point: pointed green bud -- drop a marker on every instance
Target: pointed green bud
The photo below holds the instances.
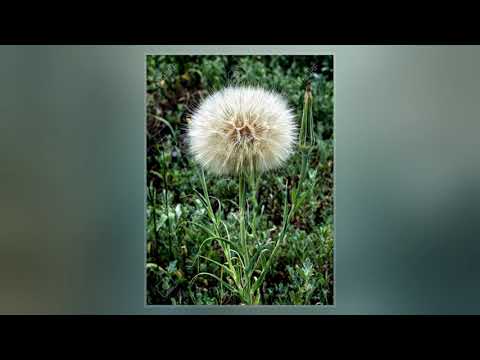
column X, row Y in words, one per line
column 307, row 136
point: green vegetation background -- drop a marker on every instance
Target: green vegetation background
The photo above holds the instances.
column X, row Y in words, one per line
column 303, row 272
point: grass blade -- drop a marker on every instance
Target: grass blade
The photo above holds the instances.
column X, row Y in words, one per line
column 228, row 286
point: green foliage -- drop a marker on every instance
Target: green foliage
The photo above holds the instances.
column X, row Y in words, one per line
column 178, row 251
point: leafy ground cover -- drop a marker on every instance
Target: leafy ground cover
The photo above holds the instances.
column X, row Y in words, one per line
column 303, row 270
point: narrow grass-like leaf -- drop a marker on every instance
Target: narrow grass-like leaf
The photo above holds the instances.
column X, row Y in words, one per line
column 164, row 122
column 228, row 286
column 205, row 228
column 157, row 174
column 216, row 263
column 200, row 248
column 255, row 260
column 226, row 230
column 239, row 257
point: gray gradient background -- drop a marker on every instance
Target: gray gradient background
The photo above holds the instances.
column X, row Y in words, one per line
column 407, row 179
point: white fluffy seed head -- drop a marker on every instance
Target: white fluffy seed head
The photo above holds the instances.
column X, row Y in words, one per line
column 242, row 129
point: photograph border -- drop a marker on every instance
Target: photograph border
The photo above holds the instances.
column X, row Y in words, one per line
column 243, row 309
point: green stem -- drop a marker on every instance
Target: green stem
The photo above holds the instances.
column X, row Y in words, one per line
column 248, row 294
column 241, row 203
column 303, row 170
column 254, row 201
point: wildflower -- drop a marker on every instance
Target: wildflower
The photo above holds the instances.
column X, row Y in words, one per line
column 242, row 129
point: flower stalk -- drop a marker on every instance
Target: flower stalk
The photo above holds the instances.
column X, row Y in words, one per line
column 241, row 204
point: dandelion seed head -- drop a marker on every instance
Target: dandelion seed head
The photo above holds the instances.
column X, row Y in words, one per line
column 242, row 129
